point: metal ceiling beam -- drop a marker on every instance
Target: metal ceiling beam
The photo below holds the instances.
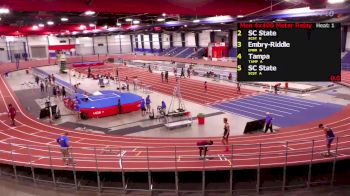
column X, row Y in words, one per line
column 89, row 2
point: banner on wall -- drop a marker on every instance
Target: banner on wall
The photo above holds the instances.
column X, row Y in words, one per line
column 218, row 50
column 68, row 49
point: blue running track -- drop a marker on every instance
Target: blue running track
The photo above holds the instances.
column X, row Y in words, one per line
column 286, row 111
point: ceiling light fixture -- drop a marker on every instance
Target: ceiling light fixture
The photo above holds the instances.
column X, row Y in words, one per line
column 64, row 19
column 89, row 13
column 160, row 19
column 95, row 30
column 85, row 31
column 35, row 27
column 74, row 32
column 240, row 16
column 91, row 25
column 41, row 25
column 196, row 21
column 136, row 22
column 185, row 25
column 164, row 14
column 335, row 1
column 4, row 11
column 50, row 22
column 128, row 19
column 82, row 27
column 119, row 24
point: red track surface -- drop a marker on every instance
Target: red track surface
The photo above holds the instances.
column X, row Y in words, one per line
column 345, row 78
column 27, row 145
column 192, row 90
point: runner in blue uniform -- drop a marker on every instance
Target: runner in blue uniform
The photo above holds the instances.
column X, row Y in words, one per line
column 329, row 137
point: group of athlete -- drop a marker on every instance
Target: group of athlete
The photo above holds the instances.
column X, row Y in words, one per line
column 204, row 144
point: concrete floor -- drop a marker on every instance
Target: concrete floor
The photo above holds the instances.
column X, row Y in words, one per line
column 9, row 187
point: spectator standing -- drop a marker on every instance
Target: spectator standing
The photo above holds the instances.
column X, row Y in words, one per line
column 42, row 87
column 37, row 80
column 89, row 72
column 143, row 107
column 63, row 92
column 119, row 106
column 268, row 122
column 162, row 108
column 167, row 76
column 286, row 87
column 53, row 79
column 182, row 73
column 188, row 72
column 54, row 92
column 238, row 87
column 148, row 104
column 46, row 84
column 230, row 76
column 17, row 57
column 162, row 76
column 205, row 86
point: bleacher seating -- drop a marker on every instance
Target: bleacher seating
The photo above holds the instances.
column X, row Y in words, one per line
column 165, row 51
column 188, row 51
column 200, row 53
column 232, row 52
column 345, row 62
column 345, row 66
column 147, row 50
column 346, row 58
column 176, row 51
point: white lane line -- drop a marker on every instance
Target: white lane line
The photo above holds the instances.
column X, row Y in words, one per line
column 250, row 108
column 289, row 148
column 19, row 149
column 296, row 99
column 284, row 101
column 255, row 105
column 10, row 138
column 275, row 102
column 220, row 105
column 220, row 157
column 79, row 140
column 35, row 133
column 271, row 105
column 135, row 149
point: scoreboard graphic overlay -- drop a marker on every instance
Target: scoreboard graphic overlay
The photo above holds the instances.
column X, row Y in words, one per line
column 288, row 52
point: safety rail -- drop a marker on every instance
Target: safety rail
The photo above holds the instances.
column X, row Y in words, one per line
column 176, row 159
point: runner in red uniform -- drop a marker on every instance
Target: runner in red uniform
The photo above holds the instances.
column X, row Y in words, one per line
column 12, row 113
column 203, row 146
